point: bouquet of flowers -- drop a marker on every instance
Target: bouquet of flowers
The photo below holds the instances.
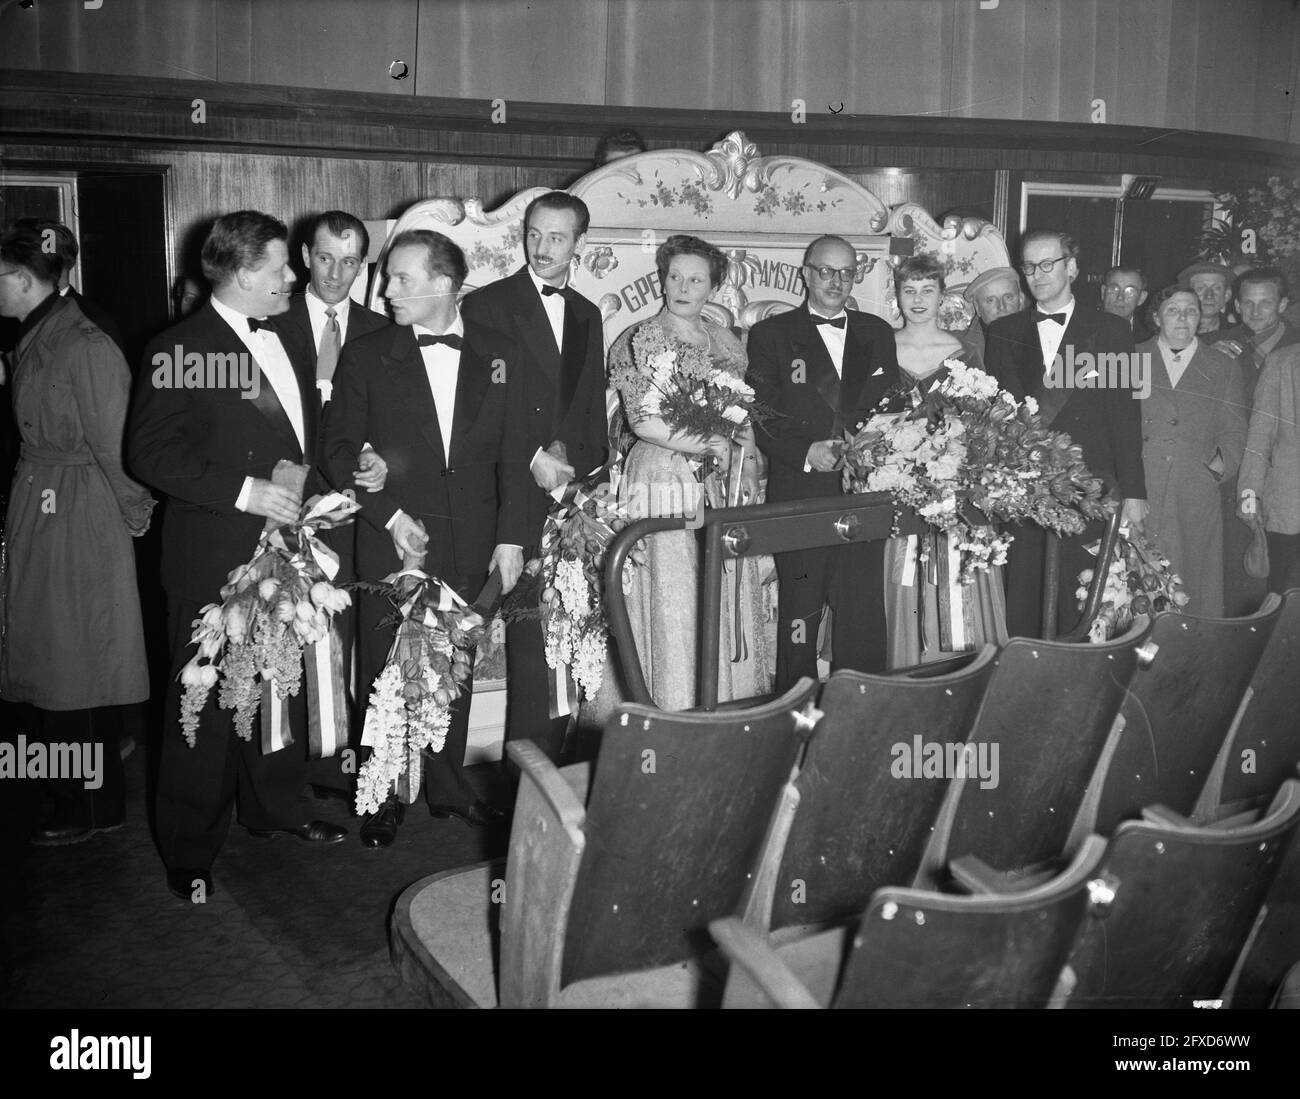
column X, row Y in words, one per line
column 968, row 445
column 681, row 384
column 272, row 609
column 428, row 665
column 1139, row 581
column 567, row 580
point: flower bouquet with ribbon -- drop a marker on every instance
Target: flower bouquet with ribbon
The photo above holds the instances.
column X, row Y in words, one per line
column 565, row 583
column 681, row 384
column 429, row 664
column 970, row 447
column 1140, row 581
column 275, row 617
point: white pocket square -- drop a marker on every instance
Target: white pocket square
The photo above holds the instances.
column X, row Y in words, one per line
column 877, row 372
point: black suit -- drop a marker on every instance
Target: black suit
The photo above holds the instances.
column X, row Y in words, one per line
column 296, row 325
column 793, row 373
column 564, row 400
column 1106, row 422
column 197, row 446
column 468, row 505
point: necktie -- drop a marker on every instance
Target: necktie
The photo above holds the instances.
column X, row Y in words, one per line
column 255, row 325
column 327, row 358
column 1059, row 318
column 834, row 322
column 547, row 291
column 450, row 341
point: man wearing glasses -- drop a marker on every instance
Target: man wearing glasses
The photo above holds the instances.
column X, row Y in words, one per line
column 1123, row 293
column 1099, row 415
column 823, row 368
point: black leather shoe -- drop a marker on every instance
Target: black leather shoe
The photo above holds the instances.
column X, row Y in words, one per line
column 62, row 832
column 379, row 829
column 316, row 831
column 181, row 882
column 478, row 815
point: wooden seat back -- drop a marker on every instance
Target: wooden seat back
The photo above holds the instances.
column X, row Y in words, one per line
column 679, row 811
column 1264, row 747
column 866, row 803
column 1184, row 902
column 1046, row 719
column 922, row 949
column 1180, row 710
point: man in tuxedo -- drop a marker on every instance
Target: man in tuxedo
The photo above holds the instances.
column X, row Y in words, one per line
column 1123, row 293
column 823, row 369
column 212, row 450
column 562, row 362
column 322, row 319
column 994, row 293
column 441, row 398
column 1025, row 353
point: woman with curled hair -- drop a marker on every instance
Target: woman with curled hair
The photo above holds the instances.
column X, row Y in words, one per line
column 671, row 473
column 928, row 612
column 1193, row 436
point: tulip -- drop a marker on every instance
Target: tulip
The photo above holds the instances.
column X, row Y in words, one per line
column 267, row 588
column 442, row 697
column 208, row 648
column 304, row 610
column 208, row 675
column 192, row 675
column 320, row 592
column 285, row 611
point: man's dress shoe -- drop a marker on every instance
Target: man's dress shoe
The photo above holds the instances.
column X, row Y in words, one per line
column 379, row 829
column 478, row 815
column 181, row 882
column 62, row 832
column 316, row 831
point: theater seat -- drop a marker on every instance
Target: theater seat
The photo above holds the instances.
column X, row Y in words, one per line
column 615, row 869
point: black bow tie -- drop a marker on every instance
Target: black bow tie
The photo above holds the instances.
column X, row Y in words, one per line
column 548, row 290
column 834, row 322
column 452, row 341
column 254, row 325
column 1059, row 318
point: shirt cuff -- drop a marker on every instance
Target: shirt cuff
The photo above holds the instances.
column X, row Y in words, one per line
column 531, row 461
column 241, row 501
column 396, row 514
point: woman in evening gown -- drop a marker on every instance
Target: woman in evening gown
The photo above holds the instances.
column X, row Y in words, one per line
column 663, row 475
column 927, row 618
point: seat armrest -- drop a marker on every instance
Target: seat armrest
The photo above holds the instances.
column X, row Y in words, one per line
column 752, row 956
column 975, row 876
column 1162, row 814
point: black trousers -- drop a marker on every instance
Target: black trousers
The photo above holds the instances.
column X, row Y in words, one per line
column 1025, row 573
column 528, row 689
column 98, row 730
column 444, row 781
column 851, row 579
column 198, row 786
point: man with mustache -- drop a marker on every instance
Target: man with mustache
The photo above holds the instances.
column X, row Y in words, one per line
column 562, row 362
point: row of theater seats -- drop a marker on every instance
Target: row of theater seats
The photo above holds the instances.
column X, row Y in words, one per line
column 1048, row 825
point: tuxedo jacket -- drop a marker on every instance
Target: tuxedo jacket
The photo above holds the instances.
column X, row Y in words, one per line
column 296, row 324
column 198, row 445
column 793, row 374
column 1105, row 422
column 469, row 503
column 563, row 394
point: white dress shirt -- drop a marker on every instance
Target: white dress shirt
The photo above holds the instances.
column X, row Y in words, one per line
column 833, row 338
column 1176, row 361
column 316, row 317
column 442, row 368
column 1051, row 334
column 553, row 304
column 269, row 355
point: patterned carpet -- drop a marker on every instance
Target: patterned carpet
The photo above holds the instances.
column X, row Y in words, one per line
column 93, row 925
